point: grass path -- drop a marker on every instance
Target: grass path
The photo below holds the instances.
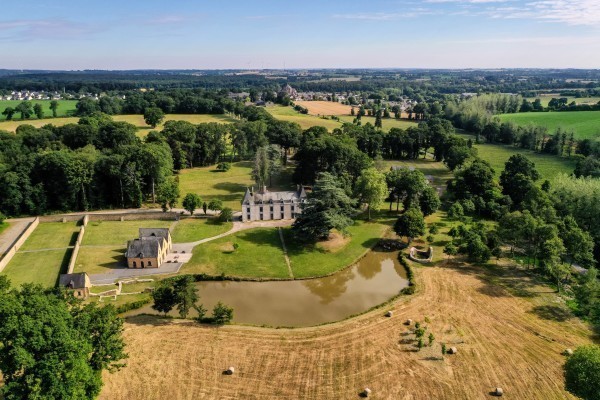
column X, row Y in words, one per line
column 285, row 253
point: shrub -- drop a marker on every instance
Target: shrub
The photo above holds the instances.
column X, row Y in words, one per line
column 222, row 314
column 223, row 166
column 131, row 306
column 225, row 215
column 430, row 239
column 2, row 218
column 582, row 372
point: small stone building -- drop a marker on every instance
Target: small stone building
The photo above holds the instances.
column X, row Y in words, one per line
column 266, row 206
column 79, row 284
column 150, row 249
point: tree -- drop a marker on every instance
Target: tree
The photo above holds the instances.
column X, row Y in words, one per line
column 429, row 202
column 52, row 346
column 456, row 211
column 450, row 250
column 328, row 207
column 54, row 108
column 168, row 193
column 153, row 116
column 25, row 108
column 222, row 314
column 260, row 172
column 9, row 112
column 191, row 201
column 204, row 207
column 582, row 372
column 371, row 189
column 285, row 134
column 410, row 224
column 38, row 110
column 215, row 205
column 164, row 298
column 223, row 166
column 518, row 177
column 2, row 218
column 186, row 294
column 226, row 215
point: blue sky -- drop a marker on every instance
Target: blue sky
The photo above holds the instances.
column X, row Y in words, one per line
column 128, row 34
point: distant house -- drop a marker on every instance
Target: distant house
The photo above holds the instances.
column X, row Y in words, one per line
column 150, row 249
column 79, row 284
column 266, row 206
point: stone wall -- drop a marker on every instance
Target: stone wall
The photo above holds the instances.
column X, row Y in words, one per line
column 18, row 243
column 138, row 216
column 76, row 250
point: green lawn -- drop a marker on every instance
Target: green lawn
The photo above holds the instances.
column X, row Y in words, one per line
column 312, row 261
column 585, row 124
column 99, row 260
column 41, row 267
column 117, row 233
column 193, row 229
column 228, row 186
column 65, row 108
column 52, row 235
column 259, row 255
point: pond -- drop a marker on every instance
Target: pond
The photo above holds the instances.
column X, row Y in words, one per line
column 373, row 280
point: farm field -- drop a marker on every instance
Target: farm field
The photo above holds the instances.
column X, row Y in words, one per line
column 387, row 123
column 545, row 99
column 137, row 120
column 548, row 165
column 526, row 329
column 305, row 121
column 325, row 107
column 41, row 267
column 259, row 255
column 229, row 186
column 65, row 108
column 585, row 124
column 193, row 229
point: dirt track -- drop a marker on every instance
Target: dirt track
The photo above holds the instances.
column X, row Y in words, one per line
column 505, row 337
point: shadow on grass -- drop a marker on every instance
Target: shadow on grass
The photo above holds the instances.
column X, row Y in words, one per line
column 230, row 187
column 552, row 312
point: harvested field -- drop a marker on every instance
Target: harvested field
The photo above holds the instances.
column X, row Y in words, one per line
column 508, row 329
column 325, row 107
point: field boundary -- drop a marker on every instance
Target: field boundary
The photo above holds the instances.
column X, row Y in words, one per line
column 10, row 253
column 76, row 249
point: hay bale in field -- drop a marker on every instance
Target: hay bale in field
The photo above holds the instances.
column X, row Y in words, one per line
column 498, row 392
column 408, row 322
column 389, row 314
column 366, row 392
column 229, row 371
column 452, row 350
column 568, row 352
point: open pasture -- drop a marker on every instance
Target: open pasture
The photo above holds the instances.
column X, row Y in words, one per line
column 65, row 108
column 325, row 107
column 386, row 123
column 546, row 97
column 585, row 124
column 304, row 120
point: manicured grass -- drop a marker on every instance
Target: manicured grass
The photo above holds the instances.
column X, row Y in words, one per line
column 65, row 108
column 52, row 235
column 42, row 267
column 387, row 123
column 312, row 261
column 585, row 124
column 137, row 120
column 259, row 255
column 228, row 186
column 304, row 120
column 4, row 226
column 99, row 260
column 136, row 287
column 193, row 229
column 117, row 233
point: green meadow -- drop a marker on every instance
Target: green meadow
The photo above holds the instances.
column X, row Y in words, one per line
column 585, row 124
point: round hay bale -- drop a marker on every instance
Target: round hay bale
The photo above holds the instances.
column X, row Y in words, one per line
column 452, row 350
column 498, row 392
column 230, row 371
column 367, row 392
column 408, row 322
column 389, row 314
column 568, row 352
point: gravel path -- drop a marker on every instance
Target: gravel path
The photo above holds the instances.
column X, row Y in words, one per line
column 12, row 233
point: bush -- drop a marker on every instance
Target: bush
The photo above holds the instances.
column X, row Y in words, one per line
column 131, row 306
column 223, row 166
column 430, row 239
column 2, row 218
column 222, row 314
column 582, row 372
column 225, row 215
column 433, row 229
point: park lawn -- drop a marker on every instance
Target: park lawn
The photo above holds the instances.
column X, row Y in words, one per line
column 137, row 287
column 65, row 108
column 100, row 259
column 585, row 124
column 42, row 267
column 117, row 233
column 193, row 229
column 259, row 255
column 386, row 123
column 228, row 186
column 313, row 261
column 52, row 235
column 304, row 120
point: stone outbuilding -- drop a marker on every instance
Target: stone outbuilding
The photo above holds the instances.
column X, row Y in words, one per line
column 150, row 249
column 266, row 206
column 79, row 284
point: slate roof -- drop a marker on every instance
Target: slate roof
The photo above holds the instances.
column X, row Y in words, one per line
column 73, row 281
column 154, row 232
column 265, row 196
column 145, row 247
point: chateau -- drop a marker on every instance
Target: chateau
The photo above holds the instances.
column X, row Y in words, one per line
column 266, row 206
column 150, row 249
